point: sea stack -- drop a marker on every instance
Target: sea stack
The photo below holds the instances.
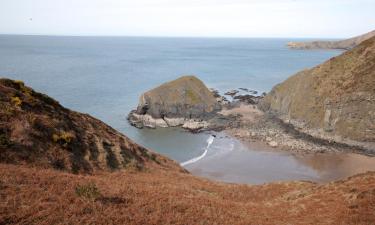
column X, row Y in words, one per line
column 185, row 102
column 334, row 101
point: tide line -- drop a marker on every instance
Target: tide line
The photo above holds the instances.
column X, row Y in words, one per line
column 210, row 140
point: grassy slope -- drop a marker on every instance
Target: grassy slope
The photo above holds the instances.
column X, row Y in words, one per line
column 37, row 196
column 37, row 130
column 187, row 88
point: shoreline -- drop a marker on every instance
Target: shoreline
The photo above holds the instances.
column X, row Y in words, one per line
column 244, row 117
column 256, row 125
column 255, row 162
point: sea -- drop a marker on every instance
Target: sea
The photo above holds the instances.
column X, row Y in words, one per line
column 104, row 77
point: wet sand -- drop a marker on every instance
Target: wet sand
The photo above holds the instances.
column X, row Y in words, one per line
column 231, row 160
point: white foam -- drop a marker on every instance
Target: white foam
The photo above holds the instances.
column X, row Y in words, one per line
column 210, row 140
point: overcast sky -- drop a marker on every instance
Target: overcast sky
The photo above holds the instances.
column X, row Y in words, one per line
column 202, row 18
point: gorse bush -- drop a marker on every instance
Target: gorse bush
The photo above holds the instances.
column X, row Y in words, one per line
column 88, row 191
column 16, row 101
column 63, row 138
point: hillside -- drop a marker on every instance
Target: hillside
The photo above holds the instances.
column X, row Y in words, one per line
column 334, row 100
column 43, row 144
column 36, row 130
column 343, row 44
column 36, row 196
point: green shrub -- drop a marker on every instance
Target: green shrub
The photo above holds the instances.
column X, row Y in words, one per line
column 88, row 191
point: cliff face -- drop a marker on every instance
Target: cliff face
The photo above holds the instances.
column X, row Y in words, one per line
column 344, row 44
column 37, row 130
column 335, row 99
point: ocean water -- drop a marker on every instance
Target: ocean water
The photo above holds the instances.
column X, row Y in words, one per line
column 104, row 76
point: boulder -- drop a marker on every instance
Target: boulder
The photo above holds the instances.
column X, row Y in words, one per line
column 231, row 92
column 248, row 99
column 273, row 144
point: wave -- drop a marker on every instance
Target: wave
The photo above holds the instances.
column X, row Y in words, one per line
column 210, row 140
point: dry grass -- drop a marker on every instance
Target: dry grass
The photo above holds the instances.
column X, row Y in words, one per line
column 44, row 196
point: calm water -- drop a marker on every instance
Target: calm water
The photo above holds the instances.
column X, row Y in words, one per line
column 104, row 76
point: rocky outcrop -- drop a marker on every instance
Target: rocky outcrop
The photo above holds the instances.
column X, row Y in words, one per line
column 185, row 102
column 343, row 44
column 333, row 101
column 36, row 130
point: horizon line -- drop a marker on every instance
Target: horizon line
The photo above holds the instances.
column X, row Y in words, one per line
column 170, row 36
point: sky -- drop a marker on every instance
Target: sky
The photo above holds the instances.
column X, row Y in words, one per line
column 189, row 18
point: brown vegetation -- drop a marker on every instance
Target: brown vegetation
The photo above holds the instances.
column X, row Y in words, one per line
column 37, row 130
column 119, row 182
column 44, row 196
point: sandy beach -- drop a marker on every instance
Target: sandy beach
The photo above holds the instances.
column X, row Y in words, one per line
column 254, row 162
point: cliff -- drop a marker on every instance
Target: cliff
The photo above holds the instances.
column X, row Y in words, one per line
column 343, row 44
column 36, row 130
column 184, row 101
column 334, row 100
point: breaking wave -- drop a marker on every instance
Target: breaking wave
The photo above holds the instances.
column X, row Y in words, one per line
column 210, row 140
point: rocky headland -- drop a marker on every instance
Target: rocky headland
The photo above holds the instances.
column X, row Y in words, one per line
column 342, row 44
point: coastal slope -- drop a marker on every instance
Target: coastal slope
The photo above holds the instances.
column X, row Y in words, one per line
column 36, row 130
column 45, row 196
column 343, row 44
column 43, row 145
column 334, row 100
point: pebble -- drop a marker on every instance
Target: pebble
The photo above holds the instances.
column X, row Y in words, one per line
column 273, row 144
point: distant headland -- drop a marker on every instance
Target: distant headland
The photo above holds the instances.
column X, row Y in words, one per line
column 342, row 44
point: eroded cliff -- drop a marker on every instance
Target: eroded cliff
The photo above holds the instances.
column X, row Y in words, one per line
column 334, row 100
